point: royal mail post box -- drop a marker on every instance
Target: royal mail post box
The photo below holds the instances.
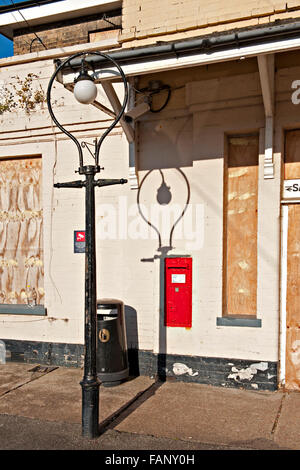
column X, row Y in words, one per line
column 178, row 292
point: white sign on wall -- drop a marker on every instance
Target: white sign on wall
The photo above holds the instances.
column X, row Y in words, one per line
column 291, row 189
column 178, row 278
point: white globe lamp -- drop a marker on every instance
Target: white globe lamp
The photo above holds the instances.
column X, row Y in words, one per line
column 85, row 90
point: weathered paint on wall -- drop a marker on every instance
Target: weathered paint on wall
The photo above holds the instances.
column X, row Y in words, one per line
column 208, row 370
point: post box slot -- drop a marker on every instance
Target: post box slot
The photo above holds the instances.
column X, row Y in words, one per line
column 177, row 267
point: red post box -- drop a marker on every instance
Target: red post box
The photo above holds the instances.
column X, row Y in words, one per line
column 178, row 292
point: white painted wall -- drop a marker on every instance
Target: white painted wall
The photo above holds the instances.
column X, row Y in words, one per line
column 192, row 136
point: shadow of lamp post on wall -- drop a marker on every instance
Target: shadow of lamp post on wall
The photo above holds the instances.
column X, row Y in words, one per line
column 163, row 197
column 85, row 92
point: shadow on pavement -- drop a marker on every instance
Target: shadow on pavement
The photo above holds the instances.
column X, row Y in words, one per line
column 122, row 413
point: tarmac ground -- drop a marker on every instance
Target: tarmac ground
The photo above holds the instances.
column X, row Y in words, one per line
column 40, row 409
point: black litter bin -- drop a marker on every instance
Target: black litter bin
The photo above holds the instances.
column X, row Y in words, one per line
column 112, row 354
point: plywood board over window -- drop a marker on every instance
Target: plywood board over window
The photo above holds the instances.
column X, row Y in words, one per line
column 292, row 155
column 292, row 171
column 21, row 232
column 292, row 379
column 240, row 227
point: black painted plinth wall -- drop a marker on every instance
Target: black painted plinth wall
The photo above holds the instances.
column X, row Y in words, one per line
column 253, row 375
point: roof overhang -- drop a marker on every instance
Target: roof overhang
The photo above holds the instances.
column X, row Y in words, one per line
column 195, row 52
column 173, row 55
column 44, row 13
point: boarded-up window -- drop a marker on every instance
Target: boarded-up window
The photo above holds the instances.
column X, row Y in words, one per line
column 292, row 171
column 21, row 232
column 240, row 226
column 292, row 155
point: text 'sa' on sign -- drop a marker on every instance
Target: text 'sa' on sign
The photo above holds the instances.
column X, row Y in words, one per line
column 291, row 189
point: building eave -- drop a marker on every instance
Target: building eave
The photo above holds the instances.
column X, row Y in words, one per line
column 172, row 55
column 51, row 11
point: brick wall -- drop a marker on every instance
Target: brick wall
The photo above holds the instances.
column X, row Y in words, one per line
column 146, row 21
column 65, row 33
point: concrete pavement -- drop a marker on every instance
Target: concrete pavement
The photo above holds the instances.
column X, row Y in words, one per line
column 141, row 413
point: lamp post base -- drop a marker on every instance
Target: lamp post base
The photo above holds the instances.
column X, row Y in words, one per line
column 90, row 408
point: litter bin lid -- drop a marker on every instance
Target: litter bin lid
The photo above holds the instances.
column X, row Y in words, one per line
column 108, row 304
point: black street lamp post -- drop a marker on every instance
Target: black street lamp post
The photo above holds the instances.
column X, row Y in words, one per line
column 86, row 94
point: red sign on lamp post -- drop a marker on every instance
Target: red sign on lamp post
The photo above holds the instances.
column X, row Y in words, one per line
column 80, row 236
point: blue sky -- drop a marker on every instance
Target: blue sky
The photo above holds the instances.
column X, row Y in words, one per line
column 6, row 46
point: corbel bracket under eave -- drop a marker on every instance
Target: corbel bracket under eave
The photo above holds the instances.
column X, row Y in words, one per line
column 133, row 173
column 127, row 128
column 116, row 105
column 267, row 81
